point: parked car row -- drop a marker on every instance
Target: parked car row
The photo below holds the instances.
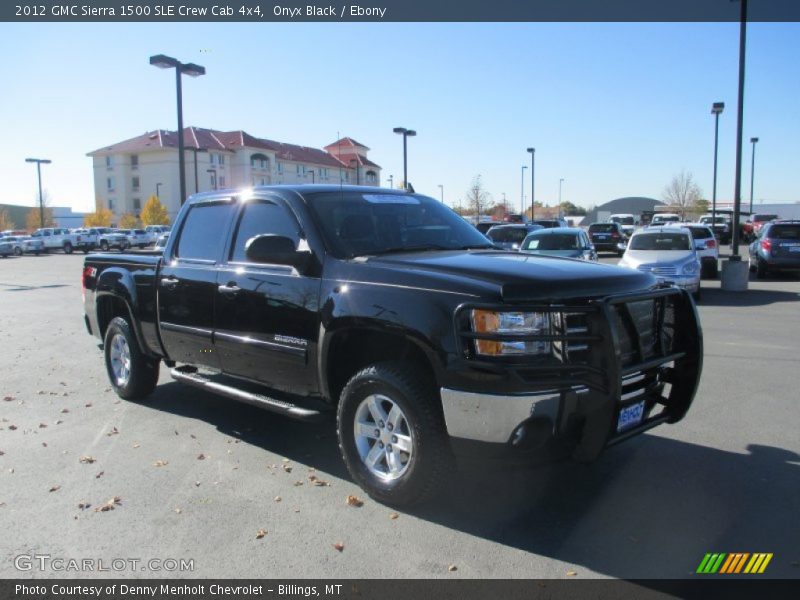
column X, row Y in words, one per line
column 85, row 239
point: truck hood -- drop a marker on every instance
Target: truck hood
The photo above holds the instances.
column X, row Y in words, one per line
column 517, row 277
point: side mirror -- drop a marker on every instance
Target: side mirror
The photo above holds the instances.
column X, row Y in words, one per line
column 276, row 250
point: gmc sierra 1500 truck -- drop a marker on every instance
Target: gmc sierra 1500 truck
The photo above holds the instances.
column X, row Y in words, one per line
column 391, row 312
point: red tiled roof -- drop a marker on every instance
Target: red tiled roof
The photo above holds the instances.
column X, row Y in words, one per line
column 220, row 141
column 362, row 160
column 346, row 141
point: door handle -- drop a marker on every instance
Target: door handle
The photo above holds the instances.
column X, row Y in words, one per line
column 170, row 282
column 229, row 289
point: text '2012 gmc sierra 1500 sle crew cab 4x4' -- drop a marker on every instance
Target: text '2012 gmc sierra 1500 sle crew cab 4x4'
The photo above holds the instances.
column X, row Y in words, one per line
column 392, row 312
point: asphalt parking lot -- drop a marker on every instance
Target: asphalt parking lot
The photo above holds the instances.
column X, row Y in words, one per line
column 196, row 476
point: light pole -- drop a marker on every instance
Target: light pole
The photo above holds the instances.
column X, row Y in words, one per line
column 737, row 194
column 406, row 133
column 213, row 177
column 441, row 192
column 158, row 185
column 354, row 164
column 391, row 181
column 192, row 70
column 560, row 181
column 754, row 141
column 39, row 162
column 522, row 191
column 533, row 167
column 195, row 150
column 716, row 110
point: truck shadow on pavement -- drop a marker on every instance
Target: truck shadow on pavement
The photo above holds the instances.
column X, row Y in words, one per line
column 649, row 508
column 752, row 297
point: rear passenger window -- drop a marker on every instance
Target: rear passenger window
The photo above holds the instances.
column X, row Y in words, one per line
column 203, row 234
column 260, row 217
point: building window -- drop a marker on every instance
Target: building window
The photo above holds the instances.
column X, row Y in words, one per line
column 371, row 177
column 137, row 204
column 222, row 181
column 110, row 204
column 134, row 161
column 109, row 162
column 212, row 158
column 135, row 184
column 298, row 169
column 221, row 159
column 280, row 167
column 110, row 184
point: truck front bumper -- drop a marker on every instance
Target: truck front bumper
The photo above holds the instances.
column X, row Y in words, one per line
column 636, row 364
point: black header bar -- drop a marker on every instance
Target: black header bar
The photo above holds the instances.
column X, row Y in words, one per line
column 222, row 11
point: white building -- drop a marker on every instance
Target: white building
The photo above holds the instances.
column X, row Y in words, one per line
column 127, row 173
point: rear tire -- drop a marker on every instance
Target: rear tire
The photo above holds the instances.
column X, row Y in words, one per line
column 18, row 251
column 386, row 399
column 67, row 248
column 132, row 374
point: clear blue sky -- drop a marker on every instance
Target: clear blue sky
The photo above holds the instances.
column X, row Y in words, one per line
column 614, row 109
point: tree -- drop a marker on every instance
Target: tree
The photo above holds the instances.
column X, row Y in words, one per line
column 5, row 221
column 682, row 192
column 154, row 213
column 128, row 221
column 478, row 200
column 33, row 219
column 568, row 208
column 101, row 217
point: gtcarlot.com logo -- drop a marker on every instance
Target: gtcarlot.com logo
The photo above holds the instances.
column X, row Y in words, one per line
column 723, row 563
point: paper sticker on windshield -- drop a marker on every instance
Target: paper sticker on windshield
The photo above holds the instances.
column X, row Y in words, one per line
column 390, row 199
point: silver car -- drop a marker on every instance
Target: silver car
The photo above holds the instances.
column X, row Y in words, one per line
column 668, row 253
column 25, row 245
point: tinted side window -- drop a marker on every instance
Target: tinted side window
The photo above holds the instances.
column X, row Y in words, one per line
column 203, row 233
column 259, row 217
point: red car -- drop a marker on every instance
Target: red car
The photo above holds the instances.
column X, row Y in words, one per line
column 753, row 226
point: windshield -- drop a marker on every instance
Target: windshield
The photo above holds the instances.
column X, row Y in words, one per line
column 558, row 241
column 622, row 220
column 508, row 235
column 785, row 232
column 602, row 227
column 660, row 241
column 665, row 219
column 358, row 224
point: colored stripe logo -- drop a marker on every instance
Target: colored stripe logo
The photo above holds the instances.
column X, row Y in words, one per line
column 734, row 563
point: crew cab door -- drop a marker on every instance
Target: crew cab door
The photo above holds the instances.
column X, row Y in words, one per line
column 187, row 283
column 267, row 317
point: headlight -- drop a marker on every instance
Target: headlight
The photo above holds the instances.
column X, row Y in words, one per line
column 690, row 268
column 533, row 323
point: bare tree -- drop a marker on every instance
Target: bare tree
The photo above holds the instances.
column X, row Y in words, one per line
column 478, row 200
column 682, row 192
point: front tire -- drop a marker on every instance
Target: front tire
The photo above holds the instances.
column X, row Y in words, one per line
column 18, row 251
column 132, row 374
column 67, row 248
column 392, row 435
column 104, row 246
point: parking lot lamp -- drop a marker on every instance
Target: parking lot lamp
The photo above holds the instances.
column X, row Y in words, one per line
column 441, row 192
column 406, row 133
column 192, row 70
column 716, row 110
column 754, row 141
column 39, row 162
column 533, row 168
column 522, row 191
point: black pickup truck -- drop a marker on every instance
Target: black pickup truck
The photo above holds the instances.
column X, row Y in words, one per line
column 391, row 312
